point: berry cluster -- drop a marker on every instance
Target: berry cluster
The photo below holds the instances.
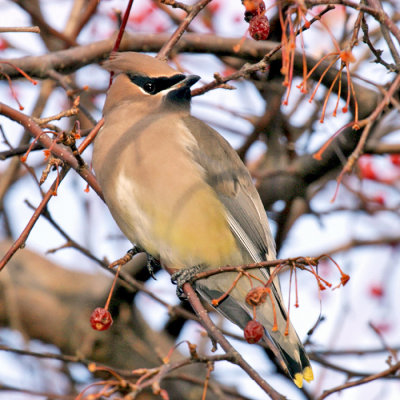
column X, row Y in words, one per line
column 255, row 16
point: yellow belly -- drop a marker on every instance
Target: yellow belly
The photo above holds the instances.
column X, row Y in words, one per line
column 196, row 232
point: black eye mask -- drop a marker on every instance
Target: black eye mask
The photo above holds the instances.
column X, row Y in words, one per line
column 155, row 85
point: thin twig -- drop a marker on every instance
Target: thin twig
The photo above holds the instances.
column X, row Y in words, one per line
column 70, row 242
column 74, row 110
column 43, row 354
column 375, row 52
column 386, row 33
column 122, row 27
column 367, row 122
column 20, row 242
column 216, row 335
column 381, row 17
column 173, row 40
column 20, row 150
column 248, row 69
column 386, row 372
column 33, row 29
column 177, row 4
column 58, row 151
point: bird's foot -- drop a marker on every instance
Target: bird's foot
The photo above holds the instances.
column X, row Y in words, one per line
column 152, row 262
column 185, row 275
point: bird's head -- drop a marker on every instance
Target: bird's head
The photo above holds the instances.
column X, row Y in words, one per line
column 146, row 81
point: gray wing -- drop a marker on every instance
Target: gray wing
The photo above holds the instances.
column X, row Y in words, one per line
column 234, row 187
column 248, row 221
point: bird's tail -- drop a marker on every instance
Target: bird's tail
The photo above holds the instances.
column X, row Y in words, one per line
column 285, row 344
column 280, row 335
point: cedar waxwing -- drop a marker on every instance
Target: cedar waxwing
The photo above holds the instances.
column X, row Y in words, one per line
column 177, row 189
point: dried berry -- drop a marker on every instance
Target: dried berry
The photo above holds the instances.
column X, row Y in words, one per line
column 256, row 296
column 101, row 319
column 254, row 11
column 253, row 332
column 259, row 27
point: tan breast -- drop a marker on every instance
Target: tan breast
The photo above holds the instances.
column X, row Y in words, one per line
column 157, row 193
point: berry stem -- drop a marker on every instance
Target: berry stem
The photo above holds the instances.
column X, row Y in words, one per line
column 112, row 288
column 215, row 302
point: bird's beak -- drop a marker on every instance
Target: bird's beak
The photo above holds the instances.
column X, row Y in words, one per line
column 180, row 92
column 188, row 82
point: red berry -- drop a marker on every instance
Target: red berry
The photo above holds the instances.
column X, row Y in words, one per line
column 253, row 332
column 376, row 290
column 367, row 170
column 395, row 159
column 3, row 44
column 101, row 319
column 214, row 7
column 259, row 27
column 379, row 199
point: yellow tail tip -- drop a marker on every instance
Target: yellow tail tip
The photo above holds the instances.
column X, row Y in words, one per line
column 308, row 374
column 298, row 380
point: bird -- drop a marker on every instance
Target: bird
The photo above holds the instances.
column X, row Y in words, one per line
column 179, row 191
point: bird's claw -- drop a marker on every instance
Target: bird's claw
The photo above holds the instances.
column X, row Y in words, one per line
column 152, row 262
column 183, row 276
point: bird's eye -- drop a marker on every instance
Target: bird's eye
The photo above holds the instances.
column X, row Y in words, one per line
column 149, row 87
